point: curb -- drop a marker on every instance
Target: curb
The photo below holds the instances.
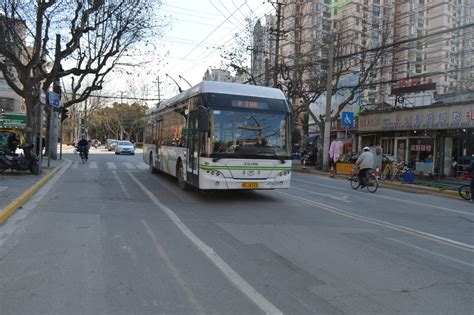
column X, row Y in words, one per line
column 6, row 212
column 450, row 193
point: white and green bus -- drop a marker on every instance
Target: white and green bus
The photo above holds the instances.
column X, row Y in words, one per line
column 220, row 135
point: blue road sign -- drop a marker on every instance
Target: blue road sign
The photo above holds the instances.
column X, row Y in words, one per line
column 54, row 99
column 347, row 119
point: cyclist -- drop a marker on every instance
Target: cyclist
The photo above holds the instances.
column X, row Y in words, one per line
column 365, row 163
column 83, row 144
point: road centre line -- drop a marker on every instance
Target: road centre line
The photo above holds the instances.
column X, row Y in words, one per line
column 121, row 184
column 161, row 251
column 396, row 227
column 433, row 253
column 397, row 199
column 265, row 305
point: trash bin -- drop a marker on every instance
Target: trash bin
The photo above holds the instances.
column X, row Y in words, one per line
column 408, row 177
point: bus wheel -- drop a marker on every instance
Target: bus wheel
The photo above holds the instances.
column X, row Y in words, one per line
column 180, row 175
column 152, row 168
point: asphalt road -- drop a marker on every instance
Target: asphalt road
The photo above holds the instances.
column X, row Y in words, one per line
column 111, row 238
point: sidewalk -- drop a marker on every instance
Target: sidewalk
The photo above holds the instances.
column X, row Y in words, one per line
column 445, row 186
column 17, row 187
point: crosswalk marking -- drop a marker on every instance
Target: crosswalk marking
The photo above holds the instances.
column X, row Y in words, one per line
column 75, row 165
column 111, row 165
column 142, row 166
column 93, row 165
column 129, row 165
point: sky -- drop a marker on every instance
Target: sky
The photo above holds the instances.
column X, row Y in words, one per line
column 191, row 43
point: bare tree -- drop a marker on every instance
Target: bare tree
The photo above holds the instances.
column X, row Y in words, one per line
column 304, row 65
column 91, row 36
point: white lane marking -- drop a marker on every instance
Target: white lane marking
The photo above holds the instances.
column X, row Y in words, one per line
column 400, row 228
column 75, row 165
column 17, row 218
column 265, row 305
column 433, row 253
column 175, row 272
column 318, row 184
column 141, row 166
column 2, row 188
column 395, row 199
column 342, row 198
column 121, row 184
column 92, row 164
column 111, row 165
column 129, row 165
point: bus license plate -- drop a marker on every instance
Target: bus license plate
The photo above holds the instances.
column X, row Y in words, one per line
column 248, row 185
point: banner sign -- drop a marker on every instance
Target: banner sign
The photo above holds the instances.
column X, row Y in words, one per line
column 443, row 117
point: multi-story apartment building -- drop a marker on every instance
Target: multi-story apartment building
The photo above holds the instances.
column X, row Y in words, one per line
column 354, row 26
column 445, row 59
column 263, row 50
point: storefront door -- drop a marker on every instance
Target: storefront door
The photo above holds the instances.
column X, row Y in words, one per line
column 401, row 149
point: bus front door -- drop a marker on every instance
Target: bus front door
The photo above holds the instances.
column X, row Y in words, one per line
column 192, row 156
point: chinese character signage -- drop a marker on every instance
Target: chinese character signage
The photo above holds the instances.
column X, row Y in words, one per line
column 443, row 117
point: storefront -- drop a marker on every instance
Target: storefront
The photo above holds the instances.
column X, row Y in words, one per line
column 429, row 139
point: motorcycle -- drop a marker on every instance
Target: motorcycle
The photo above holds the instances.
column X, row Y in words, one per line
column 27, row 162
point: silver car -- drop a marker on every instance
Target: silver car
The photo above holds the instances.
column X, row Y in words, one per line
column 124, row 147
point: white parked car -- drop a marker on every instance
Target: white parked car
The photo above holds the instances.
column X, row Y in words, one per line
column 124, row 147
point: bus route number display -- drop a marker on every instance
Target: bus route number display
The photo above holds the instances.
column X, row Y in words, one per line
column 249, row 104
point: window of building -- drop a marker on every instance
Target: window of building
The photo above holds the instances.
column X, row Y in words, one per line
column 376, row 11
column 7, row 104
column 317, row 7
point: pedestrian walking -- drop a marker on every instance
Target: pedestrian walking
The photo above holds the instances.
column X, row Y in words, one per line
column 37, row 146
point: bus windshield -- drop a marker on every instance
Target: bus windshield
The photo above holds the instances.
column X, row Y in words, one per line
column 246, row 133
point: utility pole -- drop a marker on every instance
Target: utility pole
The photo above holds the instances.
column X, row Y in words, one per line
column 327, row 122
column 267, row 73
column 277, row 44
column 158, row 85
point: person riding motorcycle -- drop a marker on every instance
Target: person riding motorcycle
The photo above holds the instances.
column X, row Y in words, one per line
column 366, row 163
column 83, row 144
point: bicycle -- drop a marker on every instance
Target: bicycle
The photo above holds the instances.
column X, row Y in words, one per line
column 465, row 192
column 82, row 153
column 371, row 182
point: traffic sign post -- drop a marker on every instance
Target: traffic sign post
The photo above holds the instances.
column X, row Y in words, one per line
column 347, row 120
column 54, row 99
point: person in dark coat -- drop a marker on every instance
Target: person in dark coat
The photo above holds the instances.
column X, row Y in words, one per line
column 12, row 142
column 37, row 145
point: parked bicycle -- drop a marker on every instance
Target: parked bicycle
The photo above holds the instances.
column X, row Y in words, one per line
column 465, row 192
column 370, row 181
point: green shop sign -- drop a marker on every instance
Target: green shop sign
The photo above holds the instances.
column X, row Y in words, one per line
column 13, row 120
